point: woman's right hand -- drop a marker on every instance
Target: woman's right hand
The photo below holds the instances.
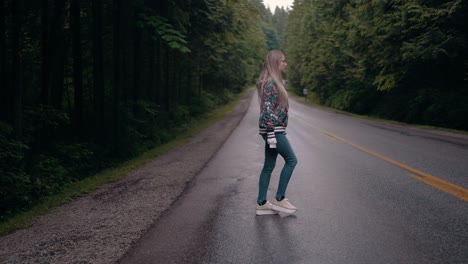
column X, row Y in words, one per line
column 271, row 142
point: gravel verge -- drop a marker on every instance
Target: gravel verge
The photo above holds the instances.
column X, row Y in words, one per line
column 102, row 226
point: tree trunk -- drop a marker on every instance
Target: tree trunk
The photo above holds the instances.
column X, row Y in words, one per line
column 188, row 98
column 159, row 73
column 125, row 48
column 98, row 71
column 77, row 64
column 3, row 65
column 175, row 78
column 17, row 84
column 45, row 92
column 200, row 78
column 57, row 41
column 117, row 71
column 137, row 65
column 152, row 90
column 167, row 98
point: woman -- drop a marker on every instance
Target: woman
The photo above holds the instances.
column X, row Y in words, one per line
column 273, row 122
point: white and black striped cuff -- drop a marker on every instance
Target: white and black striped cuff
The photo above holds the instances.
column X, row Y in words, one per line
column 278, row 129
column 271, row 134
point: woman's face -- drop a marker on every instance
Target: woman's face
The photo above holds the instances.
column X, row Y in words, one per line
column 283, row 64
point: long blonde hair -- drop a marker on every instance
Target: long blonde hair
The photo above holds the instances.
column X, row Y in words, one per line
column 271, row 71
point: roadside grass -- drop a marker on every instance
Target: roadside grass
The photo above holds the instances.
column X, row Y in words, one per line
column 313, row 100
column 91, row 184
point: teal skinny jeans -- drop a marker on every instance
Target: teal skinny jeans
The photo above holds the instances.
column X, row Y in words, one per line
column 284, row 149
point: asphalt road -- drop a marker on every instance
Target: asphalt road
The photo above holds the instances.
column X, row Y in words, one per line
column 367, row 192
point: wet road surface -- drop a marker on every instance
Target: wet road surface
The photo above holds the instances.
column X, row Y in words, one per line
column 367, row 192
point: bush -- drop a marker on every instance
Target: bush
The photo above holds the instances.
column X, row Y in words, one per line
column 353, row 100
column 48, row 175
column 14, row 183
column 50, row 158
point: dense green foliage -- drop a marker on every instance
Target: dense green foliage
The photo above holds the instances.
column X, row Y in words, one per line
column 405, row 60
column 88, row 84
column 279, row 20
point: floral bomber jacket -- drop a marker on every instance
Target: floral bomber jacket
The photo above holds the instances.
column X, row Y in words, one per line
column 273, row 118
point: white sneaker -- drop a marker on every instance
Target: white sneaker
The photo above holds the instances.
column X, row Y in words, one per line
column 284, row 206
column 265, row 209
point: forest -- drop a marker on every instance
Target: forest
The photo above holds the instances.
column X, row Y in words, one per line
column 88, row 84
column 404, row 60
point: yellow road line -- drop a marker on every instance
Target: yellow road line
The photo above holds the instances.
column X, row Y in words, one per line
column 334, row 137
column 438, row 183
column 448, row 187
